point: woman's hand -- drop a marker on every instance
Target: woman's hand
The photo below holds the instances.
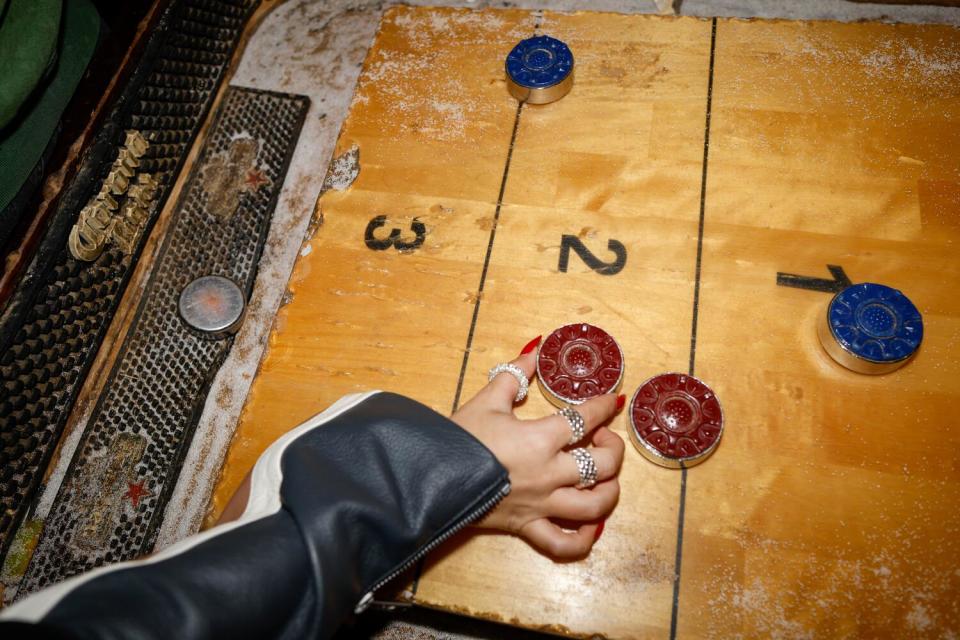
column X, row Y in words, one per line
column 543, row 475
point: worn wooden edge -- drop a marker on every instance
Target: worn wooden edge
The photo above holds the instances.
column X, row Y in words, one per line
column 213, row 510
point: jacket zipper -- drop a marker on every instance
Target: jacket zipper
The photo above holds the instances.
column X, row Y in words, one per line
column 473, row 516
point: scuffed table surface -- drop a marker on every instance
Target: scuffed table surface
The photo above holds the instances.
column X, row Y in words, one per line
column 829, row 508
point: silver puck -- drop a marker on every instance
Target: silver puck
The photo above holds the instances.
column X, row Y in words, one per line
column 212, row 304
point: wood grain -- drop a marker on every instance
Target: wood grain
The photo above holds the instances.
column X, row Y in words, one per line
column 641, row 88
column 830, row 507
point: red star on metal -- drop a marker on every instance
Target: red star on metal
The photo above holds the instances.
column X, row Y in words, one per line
column 137, row 491
column 255, row 179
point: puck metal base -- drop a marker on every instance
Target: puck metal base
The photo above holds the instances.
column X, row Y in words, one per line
column 871, row 328
column 675, row 420
column 539, row 70
column 578, row 362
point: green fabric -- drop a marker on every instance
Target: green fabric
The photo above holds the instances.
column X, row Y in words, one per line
column 29, row 30
column 23, row 141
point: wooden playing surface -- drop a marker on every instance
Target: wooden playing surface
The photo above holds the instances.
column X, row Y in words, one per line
column 719, row 153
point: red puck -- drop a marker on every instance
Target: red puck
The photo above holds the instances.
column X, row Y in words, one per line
column 676, row 420
column 578, row 362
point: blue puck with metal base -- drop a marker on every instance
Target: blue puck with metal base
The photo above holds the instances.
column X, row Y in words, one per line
column 540, row 70
column 871, row 328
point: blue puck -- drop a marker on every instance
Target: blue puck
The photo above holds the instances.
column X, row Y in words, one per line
column 540, row 70
column 872, row 328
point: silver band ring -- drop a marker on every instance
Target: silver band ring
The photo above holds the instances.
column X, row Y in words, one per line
column 578, row 426
column 586, row 466
column 516, row 372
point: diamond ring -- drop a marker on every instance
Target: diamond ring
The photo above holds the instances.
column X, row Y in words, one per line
column 516, row 372
column 586, row 466
column 576, row 422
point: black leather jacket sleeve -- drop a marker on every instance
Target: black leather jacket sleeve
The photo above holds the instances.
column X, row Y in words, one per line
column 338, row 507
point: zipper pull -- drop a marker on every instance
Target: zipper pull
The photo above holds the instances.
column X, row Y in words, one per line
column 368, row 601
column 364, row 603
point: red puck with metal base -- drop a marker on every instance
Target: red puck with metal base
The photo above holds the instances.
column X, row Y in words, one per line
column 675, row 420
column 578, row 362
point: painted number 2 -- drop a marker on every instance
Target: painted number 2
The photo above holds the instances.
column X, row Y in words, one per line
column 394, row 239
column 592, row 261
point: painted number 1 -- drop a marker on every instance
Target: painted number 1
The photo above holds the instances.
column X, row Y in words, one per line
column 592, row 261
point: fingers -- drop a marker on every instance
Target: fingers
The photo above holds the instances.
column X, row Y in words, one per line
column 503, row 388
column 584, row 505
column 605, row 438
column 550, row 538
column 594, row 411
column 607, row 455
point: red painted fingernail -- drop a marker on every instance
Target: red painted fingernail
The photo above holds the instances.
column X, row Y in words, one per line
column 531, row 346
column 599, row 532
column 621, row 399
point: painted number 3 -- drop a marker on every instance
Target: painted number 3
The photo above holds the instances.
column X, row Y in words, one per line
column 395, row 239
column 592, row 261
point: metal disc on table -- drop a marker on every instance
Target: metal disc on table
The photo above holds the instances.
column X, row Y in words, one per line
column 577, row 362
column 871, row 328
column 540, row 70
column 675, row 420
column 213, row 305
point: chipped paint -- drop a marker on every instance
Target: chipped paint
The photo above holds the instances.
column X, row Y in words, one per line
column 343, row 171
column 229, row 174
column 316, row 221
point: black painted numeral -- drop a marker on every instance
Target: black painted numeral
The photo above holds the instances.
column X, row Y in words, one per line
column 395, row 239
column 838, row 283
column 592, row 261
